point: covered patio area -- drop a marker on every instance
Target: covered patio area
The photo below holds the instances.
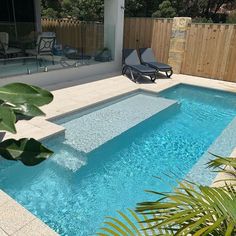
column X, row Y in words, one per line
column 30, row 44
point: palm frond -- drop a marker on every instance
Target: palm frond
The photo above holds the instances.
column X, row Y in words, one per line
column 222, row 161
column 202, row 211
column 131, row 224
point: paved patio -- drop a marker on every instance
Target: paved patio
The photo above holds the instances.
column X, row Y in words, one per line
column 14, row 219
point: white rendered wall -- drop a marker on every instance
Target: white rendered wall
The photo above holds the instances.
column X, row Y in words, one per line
column 114, row 15
column 113, row 27
column 37, row 10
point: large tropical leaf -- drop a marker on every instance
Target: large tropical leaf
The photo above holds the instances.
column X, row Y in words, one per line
column 7, row 119
column 26, row 110
column 22, row 93
column 29, row 151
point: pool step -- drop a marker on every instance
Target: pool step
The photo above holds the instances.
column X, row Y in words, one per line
column 69, row 157
column 100, row 126
column 223, row 145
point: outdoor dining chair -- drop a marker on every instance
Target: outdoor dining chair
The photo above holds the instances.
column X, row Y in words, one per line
column 5, row 50
column 44, row 46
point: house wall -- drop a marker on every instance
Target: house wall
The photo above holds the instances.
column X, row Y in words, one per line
column 113, row 27
column 37, row 10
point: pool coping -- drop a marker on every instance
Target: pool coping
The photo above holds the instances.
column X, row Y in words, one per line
column 42, row 128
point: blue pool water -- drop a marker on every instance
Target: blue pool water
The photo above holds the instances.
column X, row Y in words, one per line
column 74, row 201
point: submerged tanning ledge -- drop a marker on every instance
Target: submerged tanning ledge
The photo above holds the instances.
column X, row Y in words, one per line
column 102, row 125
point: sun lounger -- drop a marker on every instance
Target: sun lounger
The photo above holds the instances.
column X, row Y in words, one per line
column 147, row 58
column 132, row 64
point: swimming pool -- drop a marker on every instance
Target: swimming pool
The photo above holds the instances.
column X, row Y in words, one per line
column 86, row 181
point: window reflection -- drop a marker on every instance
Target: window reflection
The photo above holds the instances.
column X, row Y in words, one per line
column 30, row 44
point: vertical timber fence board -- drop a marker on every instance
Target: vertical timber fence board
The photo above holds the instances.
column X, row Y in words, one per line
column 148, row 32
column 161, row 38
column 230, row 71
column 210, row 51
column 138, row 32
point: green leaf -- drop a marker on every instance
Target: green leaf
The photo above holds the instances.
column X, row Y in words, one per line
column 7, row 119
column 28, row 110
column 142, row 226
column 222, row 161
column 120, row 224
column 22, row 93
column 125, row 225
column 29, row 151
column 230, row 229
column 110, row 231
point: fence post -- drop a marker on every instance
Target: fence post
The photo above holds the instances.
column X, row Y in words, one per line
column 177, row 42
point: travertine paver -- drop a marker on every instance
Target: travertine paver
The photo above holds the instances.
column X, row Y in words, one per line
column 35, row 228
column 3, row 233
column 16, row 220
column 3, row 198
column 38, row 128
column 13, row 217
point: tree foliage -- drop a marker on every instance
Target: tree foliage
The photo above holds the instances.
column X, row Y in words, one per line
column 165, row 10
column 232, row 18
column 93, row 9
column 78, row 9
column 207, row 9
column 141, row 7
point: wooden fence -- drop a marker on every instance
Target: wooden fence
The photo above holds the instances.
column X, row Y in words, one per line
column 77, row 34
column 161, row 38
column 149, row 32
column 211, row 51
column 138, row 32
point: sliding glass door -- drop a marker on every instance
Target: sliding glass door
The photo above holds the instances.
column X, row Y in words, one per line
column 17, row 18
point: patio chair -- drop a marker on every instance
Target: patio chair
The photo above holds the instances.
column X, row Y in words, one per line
column 147, row 58
column 44, row 46
column 131, row 63
column 5, row 50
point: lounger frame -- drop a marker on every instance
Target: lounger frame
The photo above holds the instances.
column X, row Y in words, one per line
column 168, row 73
column 132, row 70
